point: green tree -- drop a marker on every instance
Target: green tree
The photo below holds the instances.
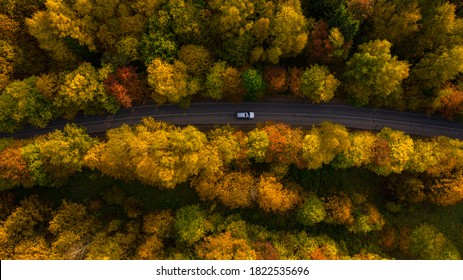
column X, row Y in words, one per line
column 196, row 58
column 427, row 243
column 395, row 20
column 318, row 84
column 345, row 21
column 191, row 224
column 21, row 103
column 438, row 24
column 53, row 158
column 366, row 218
column 158, row 41
column 253, row 83
column 83, row 90
column 373, row 75
column 224, row 82
column 435, row 69
column 312, row 210
column 410, row 189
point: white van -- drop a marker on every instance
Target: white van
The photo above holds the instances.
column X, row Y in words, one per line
column 245, row 115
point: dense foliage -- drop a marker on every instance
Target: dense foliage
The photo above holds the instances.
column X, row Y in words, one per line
column 156, row 191
column 92, row 56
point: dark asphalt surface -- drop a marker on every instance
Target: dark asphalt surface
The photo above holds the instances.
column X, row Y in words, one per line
column 294, row 114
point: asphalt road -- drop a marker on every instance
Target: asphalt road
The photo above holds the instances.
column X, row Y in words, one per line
column 294, row 114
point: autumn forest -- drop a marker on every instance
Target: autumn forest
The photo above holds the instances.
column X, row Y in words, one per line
column 274, row 191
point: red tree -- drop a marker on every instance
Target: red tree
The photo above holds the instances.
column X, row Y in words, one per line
column 449, row 102
column 319, row 47
column 125, row 86
column 276, row 79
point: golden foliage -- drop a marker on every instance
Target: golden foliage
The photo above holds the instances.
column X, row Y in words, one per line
column 339, row 209
column 158, row 223
column 273, row 197
column 225, row 247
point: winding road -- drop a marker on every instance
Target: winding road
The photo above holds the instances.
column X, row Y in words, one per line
column 290, row 113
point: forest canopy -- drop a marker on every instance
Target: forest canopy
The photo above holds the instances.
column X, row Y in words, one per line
column 181, row 193
column 157, row 191
column 402, row 55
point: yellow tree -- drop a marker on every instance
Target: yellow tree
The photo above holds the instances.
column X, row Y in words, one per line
column 75, row 30
column 70, row 226
column 105, row 156
column 157, row 154
column 157, row 226
column 360, row 151
column 225, row 247
column 322, row 144
column 13, row 167
column 227, row 143
column 63, row 150
column 41, row 27
column 272, row 196
column 400, row 148
column 170, row 82
column 289, row 32
column 7, row 58
column 236, row 190
column 224, row 82
column 426, row 155
column 114, row 242
column 258, row 144
column 447, row 191
column 22, row 225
